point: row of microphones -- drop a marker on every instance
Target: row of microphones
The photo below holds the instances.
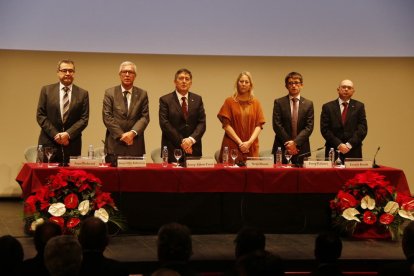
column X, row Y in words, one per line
column 310, row 152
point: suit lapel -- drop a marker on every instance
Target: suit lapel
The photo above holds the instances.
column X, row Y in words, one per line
column 177, row 104
column 119, row 98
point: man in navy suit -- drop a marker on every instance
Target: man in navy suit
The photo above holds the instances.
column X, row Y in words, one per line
column 182, row 118
column 125, row 114
column 62, row 114
column 343, row 123
column 293, row 130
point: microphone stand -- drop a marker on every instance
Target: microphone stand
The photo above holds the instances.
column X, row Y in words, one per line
column 306, row 153
column 374, row 164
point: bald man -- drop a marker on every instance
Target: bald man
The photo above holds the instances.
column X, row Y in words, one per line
column 343, row 123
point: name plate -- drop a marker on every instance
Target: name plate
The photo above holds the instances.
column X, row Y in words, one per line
column 200, row 163
column 358, row 164
column 259, row 163
column 83, row 162
column 317, row 164
column 131, row 163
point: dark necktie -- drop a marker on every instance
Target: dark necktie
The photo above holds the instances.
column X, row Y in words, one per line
column 126, row 100
column 344, row 112
column 294, row 117
column 65, row 104
column 184, row 107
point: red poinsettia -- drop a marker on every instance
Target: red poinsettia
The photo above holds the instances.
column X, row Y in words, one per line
column 368, row 199
column 69, row 197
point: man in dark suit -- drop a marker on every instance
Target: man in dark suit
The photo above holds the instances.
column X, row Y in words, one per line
column 343, row 123
column 293, row 120
column 126, row 115
column 62, row 114
column 182, row 118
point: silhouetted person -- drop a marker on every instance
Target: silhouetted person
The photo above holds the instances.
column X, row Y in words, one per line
column 175, row 248
column 11, row 256
column 249, row 239
column 43, row 233
column 260, row 263
column 93, row 237
column 328, row 249
column 63, row 256
column 405, row 267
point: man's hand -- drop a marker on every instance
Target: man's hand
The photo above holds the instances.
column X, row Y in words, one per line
column 187, row 145
column 128, row 138
column 343, row 148
column 291, row 147
column 62, row 138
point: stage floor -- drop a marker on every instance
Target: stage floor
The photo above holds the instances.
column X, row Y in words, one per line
column 216, row 252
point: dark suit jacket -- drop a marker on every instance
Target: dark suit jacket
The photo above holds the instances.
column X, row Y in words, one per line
column 118, row 121
column 174, row 127
column 354, row 131
column 283, row 128
column 49, row 119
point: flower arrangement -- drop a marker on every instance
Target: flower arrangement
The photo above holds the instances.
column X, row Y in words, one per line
column 69, row 197
column 369, row 200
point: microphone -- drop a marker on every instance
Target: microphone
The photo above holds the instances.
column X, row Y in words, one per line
column 374, row 164
column 309, row 152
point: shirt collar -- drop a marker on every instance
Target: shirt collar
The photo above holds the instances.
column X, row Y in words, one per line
column 61, row 87
column 298, row 97
column 180, row 95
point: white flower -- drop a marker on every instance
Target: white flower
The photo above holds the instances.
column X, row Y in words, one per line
column 368, row 202
column 350, row 214
column 102, row 214
column 83, row 207
column 406, row 214
column 36, row 223
column 57, row 209
column 391, row 207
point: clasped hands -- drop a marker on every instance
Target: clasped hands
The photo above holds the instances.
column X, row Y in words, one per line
column 128, row 138
column 290, row 146
column 62, row 138
column 245, row 146
column 187, row 145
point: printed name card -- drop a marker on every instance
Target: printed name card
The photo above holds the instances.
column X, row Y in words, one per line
column 200, row 163
column 358, row 164
column 261, row 162
column 131, row 162
column 84, row 162
column 317, row 164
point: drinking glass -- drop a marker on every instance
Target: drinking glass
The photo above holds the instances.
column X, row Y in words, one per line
column 288, row 157
column 49, row 153
column 177, row 154
column 234, row 153
column 338, row 162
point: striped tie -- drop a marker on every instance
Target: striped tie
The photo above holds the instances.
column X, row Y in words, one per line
column 65, row 104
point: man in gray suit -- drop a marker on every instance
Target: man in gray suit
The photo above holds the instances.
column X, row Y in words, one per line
column 343, row 123
column 293, row 120
column 182, row 118
column 125, row 114
column 62, row 114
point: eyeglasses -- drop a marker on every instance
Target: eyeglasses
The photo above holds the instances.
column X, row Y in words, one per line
column 346, row 87
column 67, row 71
column 125, row 72
column 292, row 83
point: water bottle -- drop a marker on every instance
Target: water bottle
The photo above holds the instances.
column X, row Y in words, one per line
column 91, row 152
column 164, row 156
column 40, row 155
column 331, row 156
column 225, row 157
column 279, row 157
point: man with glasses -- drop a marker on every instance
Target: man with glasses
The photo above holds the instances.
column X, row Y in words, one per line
column 126, row 115
column 182, row 118
column 293, row 120
column 343, row 123
column 62, row 114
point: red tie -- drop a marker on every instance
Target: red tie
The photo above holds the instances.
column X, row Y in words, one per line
column 345, row 104
column 184, row 107
column 294, row 117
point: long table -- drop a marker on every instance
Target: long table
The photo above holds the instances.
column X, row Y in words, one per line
column 210, row 200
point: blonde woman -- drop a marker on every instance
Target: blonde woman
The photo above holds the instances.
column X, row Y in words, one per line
column 242, row 119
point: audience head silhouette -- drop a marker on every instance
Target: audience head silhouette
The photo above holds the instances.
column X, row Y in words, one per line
column 408, row 241
column 328, row 247
column 260, row 263
column 174, row 243
column 43, row 233
column 11, row 255
column 93, row 234
column 63, row 256
column 249, row 239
